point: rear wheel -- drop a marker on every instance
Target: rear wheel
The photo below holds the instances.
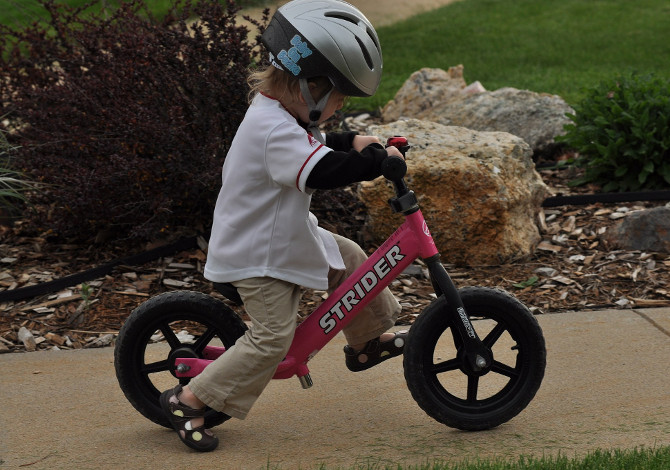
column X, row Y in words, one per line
column 170, row 325
column 445, row 385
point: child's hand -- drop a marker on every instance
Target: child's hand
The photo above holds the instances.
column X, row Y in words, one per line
column 394, row 151
column 362, row 141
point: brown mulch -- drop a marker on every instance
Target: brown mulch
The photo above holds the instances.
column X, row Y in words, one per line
column 572, row 269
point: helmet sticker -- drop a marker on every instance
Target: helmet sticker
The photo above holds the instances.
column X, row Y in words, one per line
column 290, row 58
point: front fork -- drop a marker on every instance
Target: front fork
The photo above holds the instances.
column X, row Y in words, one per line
column 477, row 355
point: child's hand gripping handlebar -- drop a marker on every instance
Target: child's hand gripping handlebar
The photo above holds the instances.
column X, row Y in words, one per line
column 394, row 168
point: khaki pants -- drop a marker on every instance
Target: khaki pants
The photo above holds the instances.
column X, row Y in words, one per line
column 234, row 381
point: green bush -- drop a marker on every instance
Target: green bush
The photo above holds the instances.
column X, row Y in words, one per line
column 127, row 118
column 621, row 130
column 13, row 185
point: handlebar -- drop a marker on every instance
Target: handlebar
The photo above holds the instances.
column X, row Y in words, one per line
column 394, row 169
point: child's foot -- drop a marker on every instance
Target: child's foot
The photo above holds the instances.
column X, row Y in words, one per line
column 375, row 351
column 188, row 422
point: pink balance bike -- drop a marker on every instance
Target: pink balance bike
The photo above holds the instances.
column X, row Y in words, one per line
column 474, row 358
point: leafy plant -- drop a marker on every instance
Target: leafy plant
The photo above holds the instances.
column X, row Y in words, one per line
column 622, row 132
column 13, row 184
column 531, row 281
column 128, row 118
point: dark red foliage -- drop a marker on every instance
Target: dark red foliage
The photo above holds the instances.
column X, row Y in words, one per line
column 125, row 118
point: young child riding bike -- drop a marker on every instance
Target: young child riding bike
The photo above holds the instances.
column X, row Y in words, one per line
column 264, row 240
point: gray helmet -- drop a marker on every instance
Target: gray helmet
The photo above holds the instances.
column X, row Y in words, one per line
column 332, row 38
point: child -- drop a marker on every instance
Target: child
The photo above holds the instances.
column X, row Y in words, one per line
column 264, row 239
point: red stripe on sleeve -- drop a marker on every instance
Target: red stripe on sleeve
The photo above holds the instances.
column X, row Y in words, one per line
column 297, row 180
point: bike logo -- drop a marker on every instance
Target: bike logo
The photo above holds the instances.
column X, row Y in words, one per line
column 425, row 229
column 466, row 322
column 363, row 287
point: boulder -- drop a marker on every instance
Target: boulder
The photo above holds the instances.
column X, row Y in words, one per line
column 422, row 90
column 645, row 230
column 443, row 97
column 538, row 118
column 478, row 191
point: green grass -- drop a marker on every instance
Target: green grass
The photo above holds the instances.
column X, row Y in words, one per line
column 634, row 459
column 17, row 12
column 552, row 46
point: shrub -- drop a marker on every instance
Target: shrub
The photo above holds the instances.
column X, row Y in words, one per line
column 622, row 131
column 126, row 117
column 13, row 185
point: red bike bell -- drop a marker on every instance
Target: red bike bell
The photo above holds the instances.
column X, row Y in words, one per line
column 396, row 141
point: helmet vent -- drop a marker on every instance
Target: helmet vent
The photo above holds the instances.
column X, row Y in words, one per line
column 366, row 54
column 373, row 38
column 341, row 16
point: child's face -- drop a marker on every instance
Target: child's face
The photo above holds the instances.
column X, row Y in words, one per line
column 335, row 102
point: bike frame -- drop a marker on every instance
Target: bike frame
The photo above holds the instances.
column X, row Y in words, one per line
column 410, row 241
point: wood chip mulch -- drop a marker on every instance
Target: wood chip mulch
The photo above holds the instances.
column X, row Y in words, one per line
column 572, row 269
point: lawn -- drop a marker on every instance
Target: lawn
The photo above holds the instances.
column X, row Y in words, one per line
column 14, row 12
column 553, row 46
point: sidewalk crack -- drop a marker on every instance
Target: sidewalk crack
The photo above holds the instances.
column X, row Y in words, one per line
column 653, row 322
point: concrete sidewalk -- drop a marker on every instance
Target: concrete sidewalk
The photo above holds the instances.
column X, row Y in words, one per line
column 607, row 385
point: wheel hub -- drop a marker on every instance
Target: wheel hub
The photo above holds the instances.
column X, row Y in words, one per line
column 478, row 366
column 179, row 353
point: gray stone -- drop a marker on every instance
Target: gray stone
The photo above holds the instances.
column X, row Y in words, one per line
column 645, row 230
column 422, row 90
column 443, row 97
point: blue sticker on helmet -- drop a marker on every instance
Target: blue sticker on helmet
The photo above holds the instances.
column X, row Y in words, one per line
column 290, row 58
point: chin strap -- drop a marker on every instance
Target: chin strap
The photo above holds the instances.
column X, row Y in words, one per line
column 315, row 109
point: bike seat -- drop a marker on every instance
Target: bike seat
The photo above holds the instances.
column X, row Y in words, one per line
column 229, row 291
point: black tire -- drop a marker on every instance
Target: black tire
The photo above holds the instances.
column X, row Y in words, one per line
column 448, row 389
column 139, row 368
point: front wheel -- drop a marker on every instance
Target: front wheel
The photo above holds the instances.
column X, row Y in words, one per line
column 185, row 323
column 443, row 383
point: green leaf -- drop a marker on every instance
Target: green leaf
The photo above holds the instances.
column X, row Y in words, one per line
column 527, row 283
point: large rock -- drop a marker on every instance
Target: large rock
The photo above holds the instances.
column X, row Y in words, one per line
column 478, row 191
column 422, row 90
column 646, row 230
column 538, row 118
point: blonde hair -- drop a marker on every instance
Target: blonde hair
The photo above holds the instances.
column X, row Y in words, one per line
column 282, row 85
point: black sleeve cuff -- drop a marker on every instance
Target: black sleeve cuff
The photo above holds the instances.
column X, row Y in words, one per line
column 340, row 141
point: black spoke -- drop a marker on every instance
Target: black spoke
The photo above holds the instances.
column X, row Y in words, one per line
column 504, row 369
column 473, row 386
column 204, row 340
column 446, row 366
column 170, row 337
column 155, row 367
column 494, row 335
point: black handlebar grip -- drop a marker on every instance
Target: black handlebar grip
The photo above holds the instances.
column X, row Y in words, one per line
column 394, row 168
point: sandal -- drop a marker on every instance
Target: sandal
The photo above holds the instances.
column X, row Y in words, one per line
column 374, row 352
column 180, row 417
